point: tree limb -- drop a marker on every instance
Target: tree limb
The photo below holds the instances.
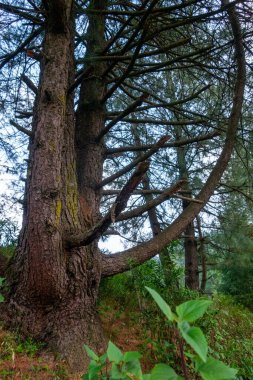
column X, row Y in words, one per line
column 29, row 83
column 7, row 57
column 152, row 203
column 173, row 144
column 142, row 158
column 21, row 129
column 126, row 112
column 111, row 216
column 120, row 262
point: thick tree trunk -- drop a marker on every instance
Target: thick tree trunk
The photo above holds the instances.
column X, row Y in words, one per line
column 54, row 289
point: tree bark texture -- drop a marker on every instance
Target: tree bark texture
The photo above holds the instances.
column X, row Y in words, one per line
column 54, row 289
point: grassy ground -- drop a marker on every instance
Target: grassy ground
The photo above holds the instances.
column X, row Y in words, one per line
column 229, row 329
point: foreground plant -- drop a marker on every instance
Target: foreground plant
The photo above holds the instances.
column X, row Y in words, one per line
column 115, row 365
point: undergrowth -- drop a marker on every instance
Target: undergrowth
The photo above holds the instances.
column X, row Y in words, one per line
column 227, row 325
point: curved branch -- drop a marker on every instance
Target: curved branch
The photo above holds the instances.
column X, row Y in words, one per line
column 122, row 261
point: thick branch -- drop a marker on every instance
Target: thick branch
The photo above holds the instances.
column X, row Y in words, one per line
column 117, row 208
column 142, row 158
column 152, row 203
column 119, row 262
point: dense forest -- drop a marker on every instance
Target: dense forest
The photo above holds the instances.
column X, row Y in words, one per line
column 126, row 148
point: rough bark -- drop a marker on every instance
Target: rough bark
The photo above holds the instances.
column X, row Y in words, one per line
column 54, row 289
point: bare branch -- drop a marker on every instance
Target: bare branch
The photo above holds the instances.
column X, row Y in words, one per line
column 7, row 57
column 152, row 203
column 29, row 83
column 173, row 144
column 163, row 122
column 19, row 11
column 126, row 112
column 21, row 129
column 110, row 217
column 142, row 158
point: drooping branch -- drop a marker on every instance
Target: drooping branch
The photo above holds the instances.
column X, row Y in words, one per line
column 142, row 158
column 117, row 208
column 119, row 262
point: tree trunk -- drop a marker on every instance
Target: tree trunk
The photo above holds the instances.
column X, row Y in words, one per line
column 54, row 289
column 190, row 244
column 202, row 254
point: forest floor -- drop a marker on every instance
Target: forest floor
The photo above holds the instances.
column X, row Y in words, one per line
column 25, row 360
column 227, row 326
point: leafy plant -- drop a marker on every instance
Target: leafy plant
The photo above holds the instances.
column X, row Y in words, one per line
column 115, row 365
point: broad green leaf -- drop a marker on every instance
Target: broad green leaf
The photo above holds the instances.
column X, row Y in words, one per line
column 114, row 354
column 162, row 304
column 163, row 372
column 195, row 338
column 131, row 355
column 216, row 370
column 116, row 374
column 146, row 376
column 85, row 377
column 91, row 353
column 133, row 367
column 190, row 311
column 1, row 298
column 93, row 370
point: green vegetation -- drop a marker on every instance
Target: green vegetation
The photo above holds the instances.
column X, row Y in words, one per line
column 127, row 366
column 228, row 326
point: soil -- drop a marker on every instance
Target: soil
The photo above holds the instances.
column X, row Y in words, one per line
column 19, row 362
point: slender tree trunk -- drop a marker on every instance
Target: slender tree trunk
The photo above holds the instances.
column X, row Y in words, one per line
column 190, row 244
column 165, row 259
column 202, row 254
